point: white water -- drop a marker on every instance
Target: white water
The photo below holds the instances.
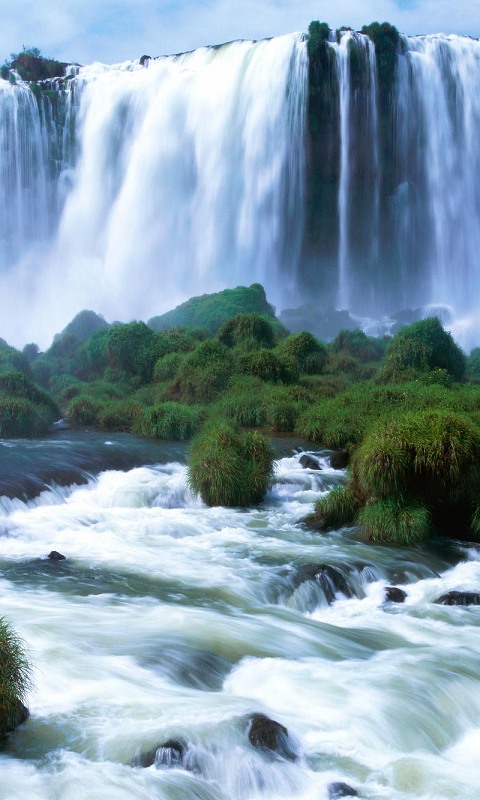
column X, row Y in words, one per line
column 188, row 178
column 172, row 620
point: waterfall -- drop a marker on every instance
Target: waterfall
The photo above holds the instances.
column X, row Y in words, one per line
column 187, row 177
column 128, row 189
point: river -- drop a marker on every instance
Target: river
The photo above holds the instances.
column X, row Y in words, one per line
column 169, row 620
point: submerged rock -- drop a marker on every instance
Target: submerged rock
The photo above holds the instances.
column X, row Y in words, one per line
column 309, row 462
column 267, row 734
column 54, row 555
column 339, row 459
column 329, row 578
column 167, row 755
column 455, row 598
column 339, row 789
column 394, row 595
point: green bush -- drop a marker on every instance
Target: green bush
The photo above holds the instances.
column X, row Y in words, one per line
column 116, row 415
column 229, row 468
column 429, row 457
column 244, row 403
column 167, row 367
column 308, row 354
column 204, row 373
column 334, row 510
column 15, row 678
column 423, row 346
column 84, row 410
column 473, row 365
column 168, row 421
column 210, row 311
column 394, row 520
column 248, row 330
column 267, row 366
column 360, row 346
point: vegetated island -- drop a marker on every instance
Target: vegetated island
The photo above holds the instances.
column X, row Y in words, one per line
column 222, row 370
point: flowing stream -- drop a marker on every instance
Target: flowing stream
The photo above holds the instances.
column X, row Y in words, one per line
column 169, row 620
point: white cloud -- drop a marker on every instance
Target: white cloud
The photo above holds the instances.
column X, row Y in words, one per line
column 116, row 30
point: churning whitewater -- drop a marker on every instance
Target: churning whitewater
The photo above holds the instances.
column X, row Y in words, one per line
column 171, row 621
column 130, row 188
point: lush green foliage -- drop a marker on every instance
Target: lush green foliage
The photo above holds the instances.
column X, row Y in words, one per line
column 204, row 373
column 248, row 331
column 210, row 311
column 335, row 509
column 168, row 421
column 230, row 468
column 31, row 65
column 305, row 351
column 393, row 520
column 359, row 346
column 15, row 678
column 25, row 409
column 386, row 39
column 422, row 347
column 318, row 33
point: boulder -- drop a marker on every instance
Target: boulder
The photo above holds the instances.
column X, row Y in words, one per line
column 165, row 756
column 339, row 789
column 339, row 459
column 54, row 555
column 330, row 579
column 455, row 598
column 267, row 734
column 394, row 595
column 309, row 462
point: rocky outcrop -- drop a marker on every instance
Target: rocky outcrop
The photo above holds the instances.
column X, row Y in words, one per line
column 394, row 595
column 267, row 734
column 338, row 789
column 164, row 756
column 309, row 462
column 455, row 598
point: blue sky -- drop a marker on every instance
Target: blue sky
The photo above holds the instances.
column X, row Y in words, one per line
column 117, row 30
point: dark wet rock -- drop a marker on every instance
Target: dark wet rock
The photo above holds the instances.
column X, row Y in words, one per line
column 165, row 756
column 394, row 595
column 329, row 578
column 267, row 734
column 144, row 59
column 54, row 555
column 309, row 462
column 459, row 599
column 339, row 789
column 339, row 459
column 14, row 719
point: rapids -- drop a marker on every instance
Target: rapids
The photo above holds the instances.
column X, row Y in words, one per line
column 171, row 620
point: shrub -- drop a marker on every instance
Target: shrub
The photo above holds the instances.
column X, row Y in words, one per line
column 205, row 372
column 116, row 415
column 362, row 347
column 167, row 367
column 423, row 346
column 244, row 403
column 395, row 521
column 83, row 410
column 230, row 468
column 334, row 510
column 168, row 421
column 308, row 354
column 429, row 457
column 131, row 349
column 248, row 330
column 266, row 365
column 21, row 417
column 210, row 311
column 15, row 678
column 473, row 365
